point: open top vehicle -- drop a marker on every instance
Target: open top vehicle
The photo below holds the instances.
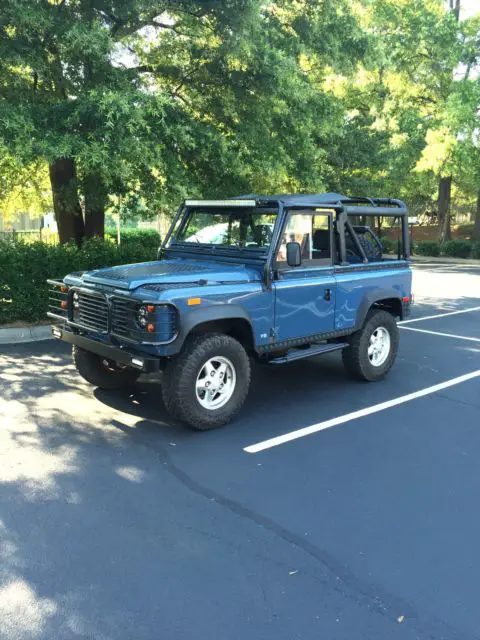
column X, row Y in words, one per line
column 273, row 278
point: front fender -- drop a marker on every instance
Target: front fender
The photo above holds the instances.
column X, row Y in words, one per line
column 197, row 316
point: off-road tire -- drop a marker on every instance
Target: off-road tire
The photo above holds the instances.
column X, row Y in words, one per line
column 355, row 356
column 180, row 376
column 94, row 370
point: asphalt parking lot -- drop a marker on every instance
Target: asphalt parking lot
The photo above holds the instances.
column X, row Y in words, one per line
column 325, row 511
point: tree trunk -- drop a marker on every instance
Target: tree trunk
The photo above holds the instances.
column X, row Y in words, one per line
column 476, row 226
column 444, row 198
column 66, row 205
column 95, row 200
column 455, row 7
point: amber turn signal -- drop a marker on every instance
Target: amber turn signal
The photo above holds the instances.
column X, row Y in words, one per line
column 151, row 308
column 64, row 304
column 63, row 289
column 151, row 328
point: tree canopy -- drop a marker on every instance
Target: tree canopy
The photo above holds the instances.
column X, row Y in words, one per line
column 151, row 101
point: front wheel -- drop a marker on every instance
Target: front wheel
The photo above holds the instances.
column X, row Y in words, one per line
column 206, row 385
column 372, row 350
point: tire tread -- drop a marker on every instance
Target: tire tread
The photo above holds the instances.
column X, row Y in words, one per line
column 180, row 372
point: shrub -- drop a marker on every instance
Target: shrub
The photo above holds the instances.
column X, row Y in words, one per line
column 427, row 248
column 24, row 269
column 389, row 245
column 146, row 237
column 476, row 250
column 457, row 248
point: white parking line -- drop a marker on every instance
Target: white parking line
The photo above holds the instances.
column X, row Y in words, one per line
column 314, row 428
column 439, row 333
column 439, row 315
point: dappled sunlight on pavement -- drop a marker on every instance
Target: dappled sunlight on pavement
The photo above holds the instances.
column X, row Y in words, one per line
column 22, row 613
column 445, row 289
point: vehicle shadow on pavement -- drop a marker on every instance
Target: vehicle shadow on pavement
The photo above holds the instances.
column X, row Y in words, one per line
column 287, row 385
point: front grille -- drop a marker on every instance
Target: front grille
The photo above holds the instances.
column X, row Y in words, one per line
column 119, row 317
column 91, row 312
column 123, row 317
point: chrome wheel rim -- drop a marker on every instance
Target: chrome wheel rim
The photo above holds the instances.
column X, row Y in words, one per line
column 379, row 346
column 215, row 383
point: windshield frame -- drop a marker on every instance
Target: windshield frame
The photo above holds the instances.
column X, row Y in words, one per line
column 179, row 225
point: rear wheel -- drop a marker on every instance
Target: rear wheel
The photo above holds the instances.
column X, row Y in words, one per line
column 101, row 372
column 372, row 350
column 206, row 385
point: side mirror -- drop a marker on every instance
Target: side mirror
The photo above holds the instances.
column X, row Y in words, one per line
column 294, row 254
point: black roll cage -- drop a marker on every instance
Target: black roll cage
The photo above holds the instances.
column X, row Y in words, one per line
column 343, row 208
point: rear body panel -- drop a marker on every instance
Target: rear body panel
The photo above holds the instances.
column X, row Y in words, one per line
column 360, row 285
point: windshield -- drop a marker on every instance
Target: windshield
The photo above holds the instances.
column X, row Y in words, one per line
column 243, row 228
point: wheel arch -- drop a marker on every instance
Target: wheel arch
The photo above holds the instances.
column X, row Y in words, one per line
column 386, row 299
column 231, row 320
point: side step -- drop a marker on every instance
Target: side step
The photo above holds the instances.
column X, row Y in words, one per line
column 316, row 350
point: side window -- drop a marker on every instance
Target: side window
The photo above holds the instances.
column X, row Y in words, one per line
column 321, row 238
column 313, row 233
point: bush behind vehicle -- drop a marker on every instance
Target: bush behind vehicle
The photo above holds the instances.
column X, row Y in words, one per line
column 24, row 269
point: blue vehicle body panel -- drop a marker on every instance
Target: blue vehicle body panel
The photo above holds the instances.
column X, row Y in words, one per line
column 249, row 302
column 132, row 276
column 371, row 284
column 295, row 307
column 300, row 305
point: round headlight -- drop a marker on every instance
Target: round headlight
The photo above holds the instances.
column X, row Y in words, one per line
column 142, row 316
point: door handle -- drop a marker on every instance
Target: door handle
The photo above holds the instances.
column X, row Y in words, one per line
column 327, row 294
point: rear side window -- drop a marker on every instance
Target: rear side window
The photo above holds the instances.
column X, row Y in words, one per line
column 312, row 231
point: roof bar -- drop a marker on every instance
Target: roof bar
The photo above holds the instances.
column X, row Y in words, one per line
column 220, row 203
column 375, row 211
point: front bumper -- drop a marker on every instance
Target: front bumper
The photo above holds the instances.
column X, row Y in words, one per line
column 126, row 357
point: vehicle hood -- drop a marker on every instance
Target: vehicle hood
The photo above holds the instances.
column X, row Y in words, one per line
column 165, row 272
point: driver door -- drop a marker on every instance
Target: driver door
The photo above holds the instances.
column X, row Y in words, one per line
column 305, row 295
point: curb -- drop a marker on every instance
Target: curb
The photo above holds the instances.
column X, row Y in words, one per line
column 25, row 334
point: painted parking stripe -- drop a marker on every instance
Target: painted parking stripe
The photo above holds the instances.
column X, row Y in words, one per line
column 439, row 333
column 439, row 315
column 321, row 426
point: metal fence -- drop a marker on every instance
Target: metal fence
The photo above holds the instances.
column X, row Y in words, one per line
column 30, row 235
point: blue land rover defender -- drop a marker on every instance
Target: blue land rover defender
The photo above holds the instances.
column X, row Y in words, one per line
column 273, row 278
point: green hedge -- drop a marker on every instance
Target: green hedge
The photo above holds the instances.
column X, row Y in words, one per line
column 24, row 269
column 146, row 237
column 452, row 249
column 389, row 245
column 428, row 248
